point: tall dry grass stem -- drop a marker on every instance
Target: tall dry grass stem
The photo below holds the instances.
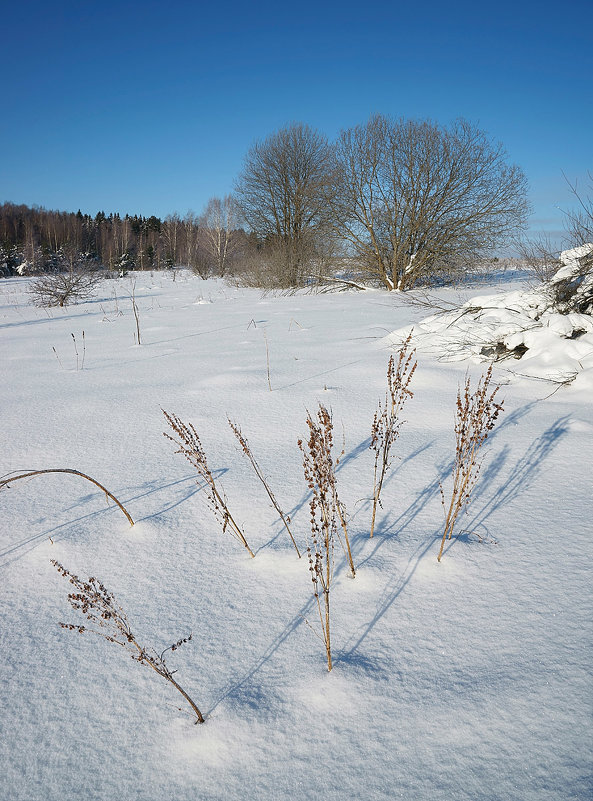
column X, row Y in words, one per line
column 386, row 423
column 57, row 357
column 326, row 510
column 190, row 446
column 475, row 416
column 6, row 481
column 136, row 314
column 108, row 620
column 258, row 472
column 268, row 360
column 78, row 361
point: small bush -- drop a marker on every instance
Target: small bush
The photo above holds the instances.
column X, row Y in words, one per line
column 61, row 289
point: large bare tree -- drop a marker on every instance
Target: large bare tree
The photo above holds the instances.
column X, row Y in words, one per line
column 282, row 192
column 412, row 197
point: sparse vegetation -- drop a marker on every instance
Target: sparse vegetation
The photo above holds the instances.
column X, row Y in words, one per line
column 326, row 510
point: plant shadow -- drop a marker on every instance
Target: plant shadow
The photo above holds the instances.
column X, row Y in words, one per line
column 18, row 549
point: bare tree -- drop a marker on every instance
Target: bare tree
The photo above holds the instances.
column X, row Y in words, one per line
column 190, row 243
column 172, row 228
column 412, row 197
column 219, row 238
column 282, row 193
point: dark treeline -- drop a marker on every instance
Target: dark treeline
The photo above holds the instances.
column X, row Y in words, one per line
column 36, row 240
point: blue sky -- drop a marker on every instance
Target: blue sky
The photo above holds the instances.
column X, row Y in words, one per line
column 149, row 108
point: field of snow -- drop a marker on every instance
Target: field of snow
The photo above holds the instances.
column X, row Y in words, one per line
column 465, row 680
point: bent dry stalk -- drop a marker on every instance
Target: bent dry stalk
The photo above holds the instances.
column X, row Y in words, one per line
column 191, row 447
column 108, row 620
column 475, row 417
column 258, row 472
column 5, row 482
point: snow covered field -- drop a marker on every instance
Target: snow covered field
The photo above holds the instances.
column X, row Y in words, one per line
column 468, row 679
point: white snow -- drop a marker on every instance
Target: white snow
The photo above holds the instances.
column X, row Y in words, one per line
column 558, row 347
column 469, row 679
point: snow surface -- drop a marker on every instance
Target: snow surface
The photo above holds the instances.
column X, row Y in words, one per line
column 468, row 679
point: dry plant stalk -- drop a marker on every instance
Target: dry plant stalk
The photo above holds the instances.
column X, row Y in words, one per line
column 268, row 360
column 475, row 416
column 109, row 621
column 258, row 472
column 135, row 310
column 386, row 423
column 5, row 482
column 326, row 509
column 191, row 447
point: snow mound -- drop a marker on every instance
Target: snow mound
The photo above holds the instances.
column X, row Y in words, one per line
column 548, row 329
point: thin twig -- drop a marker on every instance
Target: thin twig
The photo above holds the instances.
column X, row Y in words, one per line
column 258, row 472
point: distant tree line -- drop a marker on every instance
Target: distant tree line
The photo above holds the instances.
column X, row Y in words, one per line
column 392, row 202
column 36, row 240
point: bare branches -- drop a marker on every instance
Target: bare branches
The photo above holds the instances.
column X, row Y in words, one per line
column 281, row 192
column 61, row 289
column 579, row 221
column 258, row 472
column 412, row 197
column 386, row 423
column 6, row 481
column 191, row 447
column 475, row 416
column 108, row 620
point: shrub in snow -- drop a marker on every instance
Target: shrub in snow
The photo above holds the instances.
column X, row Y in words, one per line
column 571, row 288
column 60, row 289
column 109, row 621
column 550, row 328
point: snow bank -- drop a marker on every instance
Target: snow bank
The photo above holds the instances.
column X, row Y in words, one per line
column 544, row 333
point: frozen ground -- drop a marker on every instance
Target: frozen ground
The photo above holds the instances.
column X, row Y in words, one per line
column 469, row 679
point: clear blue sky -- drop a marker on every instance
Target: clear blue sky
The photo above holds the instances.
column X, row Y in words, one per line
column 149, row 108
